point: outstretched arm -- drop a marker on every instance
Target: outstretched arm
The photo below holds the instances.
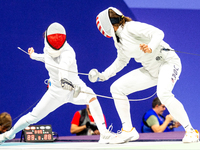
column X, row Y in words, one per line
column 120, row 62
column 35, row 56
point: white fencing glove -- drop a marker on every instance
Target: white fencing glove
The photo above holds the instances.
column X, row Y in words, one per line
column 67, row 85
column 95, row 76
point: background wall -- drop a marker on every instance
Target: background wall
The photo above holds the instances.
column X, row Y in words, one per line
column 22, row 24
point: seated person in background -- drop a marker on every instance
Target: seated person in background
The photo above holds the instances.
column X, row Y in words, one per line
column 153, row 121
column 83, row 123
column 5, row 122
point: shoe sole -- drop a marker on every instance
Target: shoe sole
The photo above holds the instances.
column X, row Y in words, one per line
column 129, row 139
column 191, row 141
column 125, row 141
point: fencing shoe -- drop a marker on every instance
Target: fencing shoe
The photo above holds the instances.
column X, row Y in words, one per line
column 124, row 136
column 190, row 137
column 3, row 137
column 106, row 135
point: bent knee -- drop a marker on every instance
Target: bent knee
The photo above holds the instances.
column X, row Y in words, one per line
column 115, row 88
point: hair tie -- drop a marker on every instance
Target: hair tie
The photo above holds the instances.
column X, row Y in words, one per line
column 122, row 16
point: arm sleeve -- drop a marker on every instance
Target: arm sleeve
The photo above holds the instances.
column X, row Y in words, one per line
column 38, row 57
column 76, row 118
column 120, row 62
column 152, row 120
column 146, row 31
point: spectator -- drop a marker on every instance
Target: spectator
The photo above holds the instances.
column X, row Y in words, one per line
column 83, row 123
column 5, row 122
column 154, row 121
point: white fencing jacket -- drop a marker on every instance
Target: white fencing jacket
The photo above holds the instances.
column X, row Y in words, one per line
column 60, row 67
column 131, row 36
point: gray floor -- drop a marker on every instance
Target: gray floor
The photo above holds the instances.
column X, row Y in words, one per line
column 155, row 145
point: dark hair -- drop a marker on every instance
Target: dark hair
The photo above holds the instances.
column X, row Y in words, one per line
column 155, row 102
column 121, row 19
column 5, row 121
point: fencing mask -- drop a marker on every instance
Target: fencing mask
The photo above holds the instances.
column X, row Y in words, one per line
column 55, row 39
column 104, row 24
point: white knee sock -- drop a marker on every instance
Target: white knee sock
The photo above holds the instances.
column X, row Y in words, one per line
column 177, row 110
column 123, row 109
column 97, row 114
column 20, row 125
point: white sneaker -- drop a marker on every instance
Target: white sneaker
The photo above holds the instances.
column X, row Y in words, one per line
column 136, row 135
column 3, row 138
column 191, row 137
column 125, row 136
column 106, row 135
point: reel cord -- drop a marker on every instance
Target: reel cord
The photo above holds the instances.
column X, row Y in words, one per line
column 88, row 74
column 164, row 49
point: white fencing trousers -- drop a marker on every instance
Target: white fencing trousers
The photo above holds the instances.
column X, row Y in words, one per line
column 168, row 75
column 140, row 79
column 52, row 99
column 131, row 82
column 47, row 104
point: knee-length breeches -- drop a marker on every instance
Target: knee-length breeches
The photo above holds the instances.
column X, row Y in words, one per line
column 54, row 98
column 140, row 79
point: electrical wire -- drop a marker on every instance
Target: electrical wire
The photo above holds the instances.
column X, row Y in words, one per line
column 56, row 66
column 92, row 93
column 166, row 49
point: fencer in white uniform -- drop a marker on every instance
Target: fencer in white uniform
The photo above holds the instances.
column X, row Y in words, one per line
column 160, row 66
column 65, row 84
